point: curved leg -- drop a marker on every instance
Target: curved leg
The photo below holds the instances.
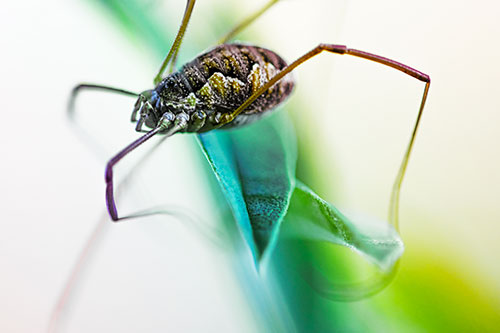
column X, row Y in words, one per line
column 94, row 145
column 87, row 86
column 341, row 49
column 110, row 200
column 181, row 213
column 172, row 53
column 180, row 123
column 247, row 21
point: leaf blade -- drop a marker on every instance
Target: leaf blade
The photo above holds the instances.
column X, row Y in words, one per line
column 262, row 160
column 313, row 218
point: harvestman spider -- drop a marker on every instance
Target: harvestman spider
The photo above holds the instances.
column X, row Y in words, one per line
column 229, row 86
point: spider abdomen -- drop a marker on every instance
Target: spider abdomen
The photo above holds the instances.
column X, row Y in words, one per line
column 220, row 80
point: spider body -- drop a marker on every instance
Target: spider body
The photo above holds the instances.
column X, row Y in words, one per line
column 213, row 84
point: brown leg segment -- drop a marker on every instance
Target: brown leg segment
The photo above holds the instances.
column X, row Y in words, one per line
column 341, row 49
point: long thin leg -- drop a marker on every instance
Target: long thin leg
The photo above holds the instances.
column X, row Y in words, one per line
column 85, row 256
column 94, row 145
column 394, row 204
column 87, row 86
column 247, row 21
column 172, row 54
column 341, row 49
column 179, row 124
column 110, row 200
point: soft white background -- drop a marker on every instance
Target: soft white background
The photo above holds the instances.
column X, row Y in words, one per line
column 161, row 274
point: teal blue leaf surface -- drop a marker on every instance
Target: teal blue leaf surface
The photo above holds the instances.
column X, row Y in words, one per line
column 255, row 166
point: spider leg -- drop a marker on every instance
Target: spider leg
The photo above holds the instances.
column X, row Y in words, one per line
column 341, row 49
column 94, row 144
column 180, row 123
column 87, row 86
column 246, row 22
column 172, row 53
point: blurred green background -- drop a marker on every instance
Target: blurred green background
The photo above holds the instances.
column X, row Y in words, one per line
column 353, row 119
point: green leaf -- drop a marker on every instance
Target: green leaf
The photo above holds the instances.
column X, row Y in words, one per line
column 306, row 254
column 310, row 217
column 255, row 166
